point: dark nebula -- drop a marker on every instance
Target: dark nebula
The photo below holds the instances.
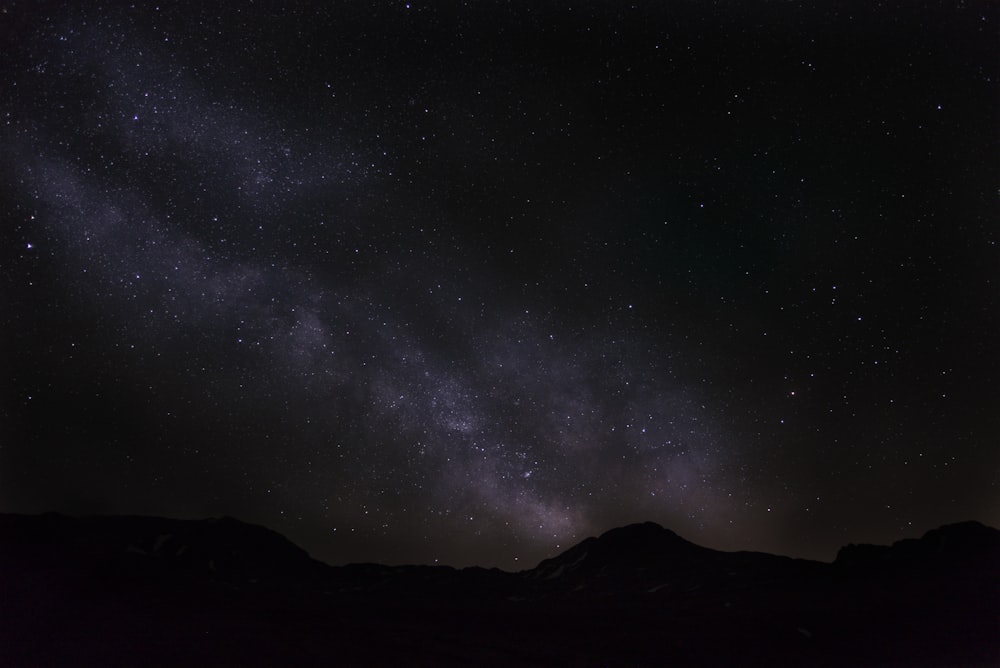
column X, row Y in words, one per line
column 427, row 282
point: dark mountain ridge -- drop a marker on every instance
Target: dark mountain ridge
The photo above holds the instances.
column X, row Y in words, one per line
column 644, row 553
column 156, row 591
column 965, row 544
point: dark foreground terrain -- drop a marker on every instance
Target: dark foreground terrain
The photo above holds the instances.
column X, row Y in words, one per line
column 115, row 591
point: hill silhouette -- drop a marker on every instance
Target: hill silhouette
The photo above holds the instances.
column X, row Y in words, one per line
column 153, row 591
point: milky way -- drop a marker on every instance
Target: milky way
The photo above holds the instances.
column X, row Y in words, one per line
column 414, row 286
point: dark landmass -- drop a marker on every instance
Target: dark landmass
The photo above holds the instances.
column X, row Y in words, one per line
column 116, row 591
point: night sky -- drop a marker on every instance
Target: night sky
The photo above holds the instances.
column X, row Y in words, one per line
column 466, row 283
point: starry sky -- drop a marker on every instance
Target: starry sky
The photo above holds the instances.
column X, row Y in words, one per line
column 465, row 283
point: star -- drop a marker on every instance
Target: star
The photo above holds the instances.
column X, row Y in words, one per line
column 325, row 275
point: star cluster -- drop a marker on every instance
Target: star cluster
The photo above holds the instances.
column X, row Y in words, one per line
column 465, row 285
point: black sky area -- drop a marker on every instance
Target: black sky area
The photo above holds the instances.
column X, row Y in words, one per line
column 466, row 283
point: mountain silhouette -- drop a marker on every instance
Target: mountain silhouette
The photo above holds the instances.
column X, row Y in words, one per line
column 153, row 591
column 630, row 548
column 953, row 546
column 223, row 550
